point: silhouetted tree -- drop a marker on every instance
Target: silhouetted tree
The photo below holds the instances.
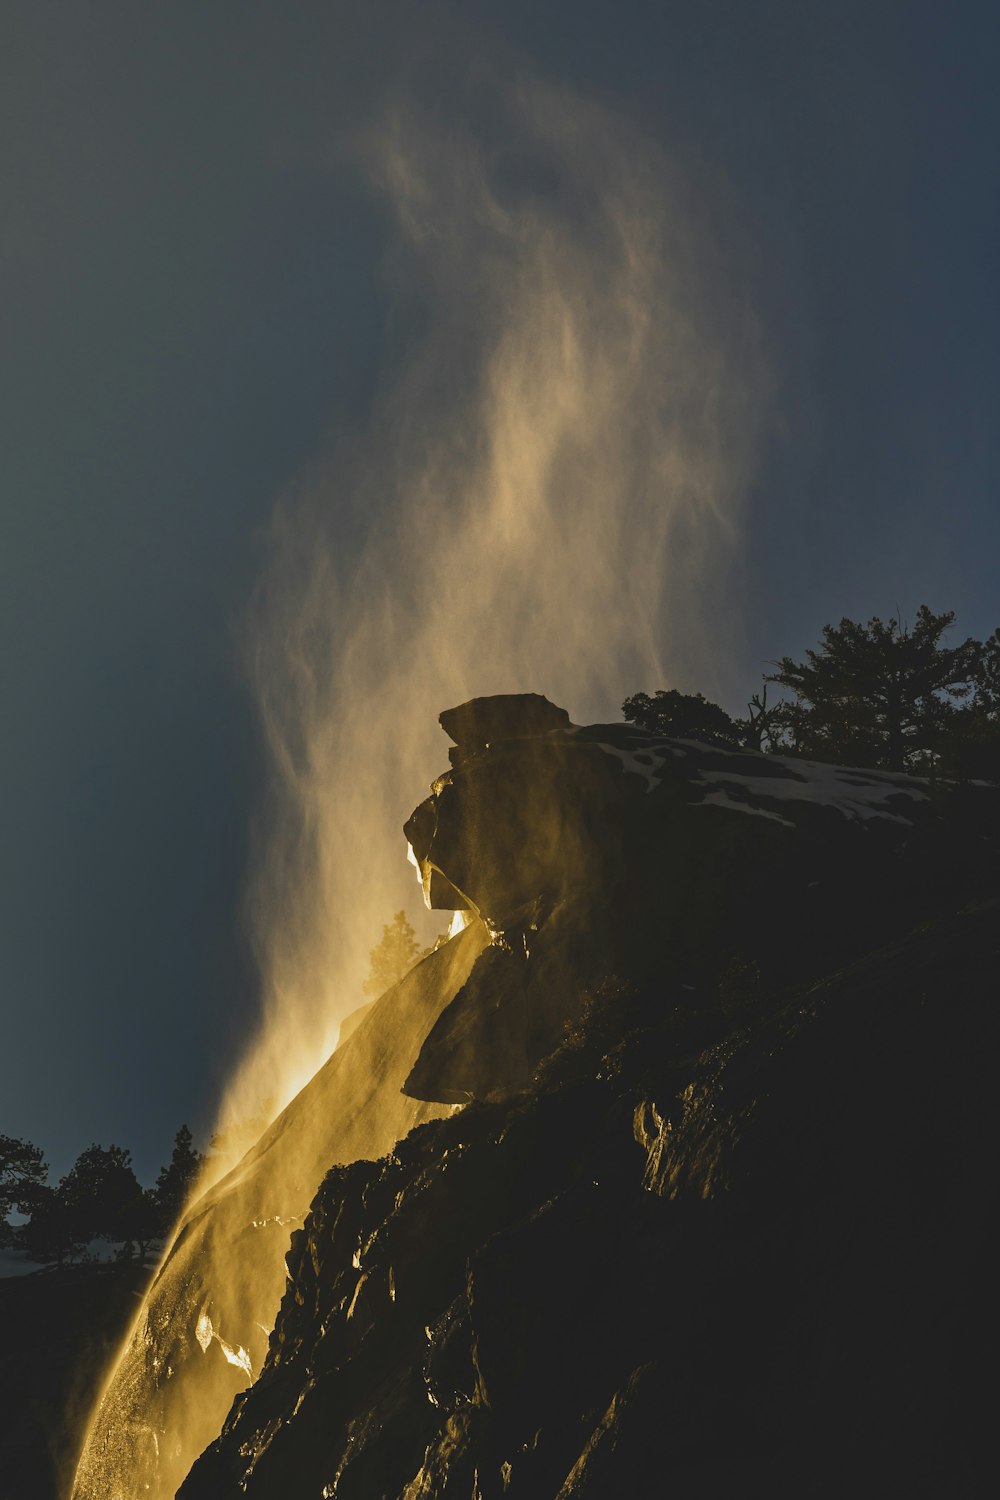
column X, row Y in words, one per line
column 972, row 745
column 988, row 677
column 99, row 1191
column 22, row 1173
column 91, row 1202
column 764, row 726
column 393, row 956
column 683, row 716
column 54, row 1233
column 141, row 1222
column 176, row 1179
column 878, row 694
column 100, row 1198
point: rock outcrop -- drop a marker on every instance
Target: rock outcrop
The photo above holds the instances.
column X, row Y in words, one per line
column 606, row 849
column 718, row 1215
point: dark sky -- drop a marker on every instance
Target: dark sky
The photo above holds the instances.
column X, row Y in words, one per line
column 194, row 297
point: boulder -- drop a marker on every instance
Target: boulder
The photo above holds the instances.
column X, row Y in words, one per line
column 481, row 722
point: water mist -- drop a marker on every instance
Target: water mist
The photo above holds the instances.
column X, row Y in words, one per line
column 545, row 491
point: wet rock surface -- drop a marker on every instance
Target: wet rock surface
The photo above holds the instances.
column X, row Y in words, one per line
column 719, row 1215
column 202, row 1334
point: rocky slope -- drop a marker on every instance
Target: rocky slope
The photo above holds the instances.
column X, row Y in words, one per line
column 718, row 1215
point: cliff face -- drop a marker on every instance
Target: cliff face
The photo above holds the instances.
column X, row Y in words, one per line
column 719, row 1213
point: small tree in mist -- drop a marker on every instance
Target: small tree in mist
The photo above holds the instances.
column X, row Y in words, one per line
column 393, row 956
column 239, row 1135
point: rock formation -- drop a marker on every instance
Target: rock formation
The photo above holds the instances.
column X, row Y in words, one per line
column 718, row 1214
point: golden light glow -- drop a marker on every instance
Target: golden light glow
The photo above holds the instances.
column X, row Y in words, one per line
column 555, row 480
column 459, row 921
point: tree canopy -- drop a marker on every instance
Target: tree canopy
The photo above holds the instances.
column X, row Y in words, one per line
column 99, row 1198
column 880, row 694
column 22, row 1173
column 684, row 716
column 99, row 1190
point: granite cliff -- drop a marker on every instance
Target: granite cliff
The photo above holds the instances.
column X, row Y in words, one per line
column 704, row 1200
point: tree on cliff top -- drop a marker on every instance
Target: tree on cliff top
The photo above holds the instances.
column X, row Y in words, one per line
column 879, row 694
column 683, row 716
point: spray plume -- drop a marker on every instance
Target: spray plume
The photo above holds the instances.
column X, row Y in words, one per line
column 544, row 496
column 545, row 493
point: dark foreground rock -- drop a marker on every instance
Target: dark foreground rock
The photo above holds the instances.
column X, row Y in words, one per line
column 58, row 1327
column 720, row 1214
column 700, row 1256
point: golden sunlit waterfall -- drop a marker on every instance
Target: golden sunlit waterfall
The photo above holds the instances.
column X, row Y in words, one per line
column 547, row 499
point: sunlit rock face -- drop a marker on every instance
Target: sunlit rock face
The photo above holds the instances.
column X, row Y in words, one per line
column 203, row 1331
column 719, row 1215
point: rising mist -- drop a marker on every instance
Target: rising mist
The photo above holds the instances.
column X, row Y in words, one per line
column 550, row 495
column 547, row 498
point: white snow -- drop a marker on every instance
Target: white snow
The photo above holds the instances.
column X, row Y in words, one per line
column 633, row 765
column 856, row 795
column 719, row 798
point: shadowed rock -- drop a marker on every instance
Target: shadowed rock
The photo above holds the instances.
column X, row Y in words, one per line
column 694, row 1258
column 720, row 1216
column 610, row 849
column 482, row 722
